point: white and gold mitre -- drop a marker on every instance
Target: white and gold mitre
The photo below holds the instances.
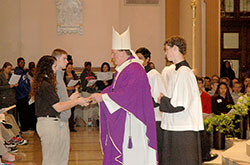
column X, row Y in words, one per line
column 121, row 41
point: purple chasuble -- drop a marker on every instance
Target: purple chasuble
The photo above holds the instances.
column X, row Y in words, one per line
column 132, row 93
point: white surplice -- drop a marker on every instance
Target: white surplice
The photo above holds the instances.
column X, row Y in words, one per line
column 157, row 85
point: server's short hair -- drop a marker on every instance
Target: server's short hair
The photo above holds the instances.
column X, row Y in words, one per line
column 144, row 51
column 178, row 41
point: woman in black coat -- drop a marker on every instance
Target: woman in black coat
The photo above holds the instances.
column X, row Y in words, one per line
column 221, row 99
column 227, row 71
column 105, row 83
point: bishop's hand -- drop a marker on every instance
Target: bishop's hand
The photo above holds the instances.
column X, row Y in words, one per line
column 96, row 98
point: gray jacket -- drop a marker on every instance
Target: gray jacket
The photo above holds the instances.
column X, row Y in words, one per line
column 7, row 94
column 62, row 94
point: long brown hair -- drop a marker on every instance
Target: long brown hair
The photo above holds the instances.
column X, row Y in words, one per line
column 228, row 95
column 5, row 65
column 44, row 70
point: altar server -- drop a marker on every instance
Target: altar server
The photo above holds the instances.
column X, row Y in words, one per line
column 157, row 85
column 183, row 110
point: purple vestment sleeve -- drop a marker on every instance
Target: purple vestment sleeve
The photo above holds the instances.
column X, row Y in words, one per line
column 132, row 93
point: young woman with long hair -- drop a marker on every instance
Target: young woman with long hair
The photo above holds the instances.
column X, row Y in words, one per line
column 48, row 109
column 221, row 99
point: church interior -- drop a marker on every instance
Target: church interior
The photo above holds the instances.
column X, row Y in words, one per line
column 216, row 32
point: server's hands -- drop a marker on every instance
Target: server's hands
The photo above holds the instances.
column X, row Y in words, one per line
column 159, row 98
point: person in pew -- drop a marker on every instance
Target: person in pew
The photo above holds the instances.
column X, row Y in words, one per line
column 70, row 59
column 91, row 112
column 221, row 99
column 70, row 75
column 30, row 74
column 11, row 138
column 234, row 81
column 246, row 81
column 182, row 110
column 51, row 126
column 215, row 77
column 7, row 157
column 102, row 84
column 76, row 112
column 7, row 91
column 205, row 97
column 87, row 75
column 10, row 130
column 157, row 85
column 207, row 83
column 236, row 91
column 214, row 85
column 205, row 136
column 128, row 131
column 227, row 71
column 227, row 81
column 22, row 96
column 246, row 93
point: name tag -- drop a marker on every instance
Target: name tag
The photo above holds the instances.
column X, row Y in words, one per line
column 219, row 100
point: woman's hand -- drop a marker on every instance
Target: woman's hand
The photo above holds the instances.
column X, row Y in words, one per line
column 83, row 101
column 75, row 95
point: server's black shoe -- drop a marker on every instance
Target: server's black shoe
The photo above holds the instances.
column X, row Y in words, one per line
column 210, row 157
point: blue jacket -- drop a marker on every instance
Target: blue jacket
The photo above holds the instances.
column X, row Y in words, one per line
column 23, row 88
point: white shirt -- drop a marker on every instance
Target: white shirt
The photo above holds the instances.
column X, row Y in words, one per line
column 168, row 75
column 157, row 87
column 185, row 93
